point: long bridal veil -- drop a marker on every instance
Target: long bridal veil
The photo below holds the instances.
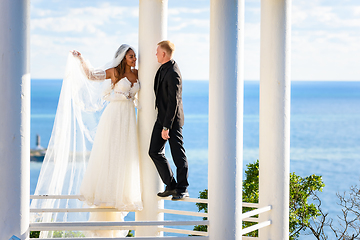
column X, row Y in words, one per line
column 79, row 109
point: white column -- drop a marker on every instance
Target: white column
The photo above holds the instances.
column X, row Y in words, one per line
column 152, row 29
column 226, row 118
column 274, row 149
column 15, row 118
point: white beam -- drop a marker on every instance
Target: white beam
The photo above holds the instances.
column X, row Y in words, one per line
column 52, row 226
column 137, row 238
column 226, row 118
column 152, row 29
column 15, row 118
column 187, row 232
column 274, row 126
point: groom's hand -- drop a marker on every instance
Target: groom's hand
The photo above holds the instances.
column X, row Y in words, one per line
column 165, row 134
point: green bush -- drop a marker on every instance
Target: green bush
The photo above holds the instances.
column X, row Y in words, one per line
column 301, row 211
column 34, row 234
column 202, row 206
column 60, row 234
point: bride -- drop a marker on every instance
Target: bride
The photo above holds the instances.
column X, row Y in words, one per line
column 112, row 177
column 105, row 123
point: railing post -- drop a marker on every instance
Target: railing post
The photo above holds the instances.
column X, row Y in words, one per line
column 152, row 29
column 226, row 119
column 274, row 149
column 15, row 118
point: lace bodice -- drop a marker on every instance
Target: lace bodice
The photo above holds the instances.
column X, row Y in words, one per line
column 123, row 90
column 124, row 87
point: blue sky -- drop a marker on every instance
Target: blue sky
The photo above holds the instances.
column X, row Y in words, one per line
column 325, row 36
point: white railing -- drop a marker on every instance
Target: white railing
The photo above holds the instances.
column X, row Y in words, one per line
column 135, row 238
column 131, row 225
column 69, row 226
column 248, row 217
column 128, row 225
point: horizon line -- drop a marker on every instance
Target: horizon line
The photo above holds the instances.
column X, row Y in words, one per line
column 206, row 80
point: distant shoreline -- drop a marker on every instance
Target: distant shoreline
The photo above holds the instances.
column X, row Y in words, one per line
column 37, row 155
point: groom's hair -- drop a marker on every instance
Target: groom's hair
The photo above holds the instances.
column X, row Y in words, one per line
column 167, row 46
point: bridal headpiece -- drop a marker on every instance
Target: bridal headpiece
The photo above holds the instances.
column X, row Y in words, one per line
column 118, row 57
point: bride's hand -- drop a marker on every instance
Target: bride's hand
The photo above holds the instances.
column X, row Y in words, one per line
column 76, row 54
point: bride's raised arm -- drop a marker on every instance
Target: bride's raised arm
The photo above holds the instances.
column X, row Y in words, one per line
column 91, row 74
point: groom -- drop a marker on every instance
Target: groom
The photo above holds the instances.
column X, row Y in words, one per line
column 168, row 125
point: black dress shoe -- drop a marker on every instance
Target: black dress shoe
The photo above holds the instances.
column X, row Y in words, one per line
column 180, row 195
column 167, row 192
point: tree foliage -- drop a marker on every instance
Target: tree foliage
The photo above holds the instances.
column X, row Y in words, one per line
column 202, row 206
column 347, row 226
column 301, row 211
column 250, row 192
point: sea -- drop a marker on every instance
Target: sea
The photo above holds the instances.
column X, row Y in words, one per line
column 324, row 129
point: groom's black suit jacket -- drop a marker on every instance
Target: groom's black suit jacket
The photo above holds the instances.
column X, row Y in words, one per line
column 168, row 92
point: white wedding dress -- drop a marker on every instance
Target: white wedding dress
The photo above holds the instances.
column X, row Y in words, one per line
column 93, row 149
column 112, row 177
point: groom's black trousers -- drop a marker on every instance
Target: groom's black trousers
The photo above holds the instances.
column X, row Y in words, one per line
column 157, row 154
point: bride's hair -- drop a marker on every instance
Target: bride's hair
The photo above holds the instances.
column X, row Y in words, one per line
column 120, row 69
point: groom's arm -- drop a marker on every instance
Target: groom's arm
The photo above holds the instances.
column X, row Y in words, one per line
column 174, row 98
